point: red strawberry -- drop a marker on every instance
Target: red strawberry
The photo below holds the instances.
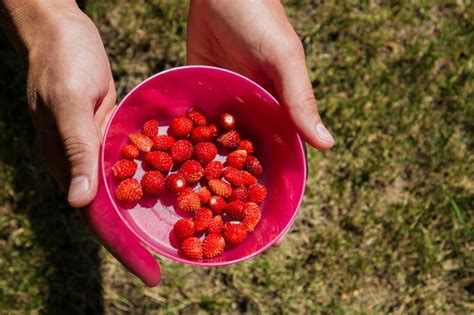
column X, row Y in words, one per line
column 236, row 159
column 192, row 171
column 253, row 165
column 214, row 130
column 204, row 195
column 257, row 193
column 213, row 170
column 124, row 169
column 220, row 188
column 180, row 126
column 239, row 193
column 233, row 176
column 205, row 152
column 175, row 183
column 200, row 134
column 234, row 232
column 142, row 142
column 229, row 169
column 217, row 204
column 188, row 200
column 197, row 117
column 202, row 219
column 192, row 248
column 184, row 228
column 246, row 145
column 163, row 142
column 247, row 178
column 226, row 121
column 235, row 209
column 129, row 190
column 229, row 140
column 213, row 245
column 181, row 151
column 252, row 215
column 129, row 152
column 159, row 160
column 216, row 225
column 150, row 128
column 153, row 183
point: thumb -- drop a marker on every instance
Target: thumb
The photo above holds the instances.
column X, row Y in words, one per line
column 290, row 77
column 81, row 145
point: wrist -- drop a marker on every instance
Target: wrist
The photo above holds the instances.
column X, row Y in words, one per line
column 25, row 20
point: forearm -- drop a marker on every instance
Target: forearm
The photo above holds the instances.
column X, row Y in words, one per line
column 22, row 19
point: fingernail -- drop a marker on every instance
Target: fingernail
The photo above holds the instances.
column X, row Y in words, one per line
column 78, row 187
column 323, row 133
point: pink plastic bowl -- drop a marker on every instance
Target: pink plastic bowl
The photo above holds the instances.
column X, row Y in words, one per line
column 214, row 91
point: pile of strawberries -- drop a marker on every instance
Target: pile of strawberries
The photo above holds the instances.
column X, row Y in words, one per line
column 225, row 207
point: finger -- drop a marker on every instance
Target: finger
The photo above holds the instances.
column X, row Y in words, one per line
column 289, row 73
column 80, row 139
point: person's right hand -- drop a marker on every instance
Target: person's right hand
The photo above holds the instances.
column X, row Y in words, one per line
column 71, row 95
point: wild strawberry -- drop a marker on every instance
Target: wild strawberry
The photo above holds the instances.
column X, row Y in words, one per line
column 247, row 178
column 200, row 134
column 229, row 140
column 220, row 188
column 129, row 191
column 180, row 126
column 234, row 232
column 226, row 121
column 129, row 152
column 124, row 169
column 184, row 228
column 150, row 128
column 253, row 165
column 181, row 151
column 233, row 176
column 213, row 170
column 246, row 145
column 236, row 159
column 213, row 245
column 214, row 130
column 175, row 183
column 217, row 204
column 159, row 160
column 252, row 215
column 205, row 152
column 257, row 193
column 204, row 195
column 202, row 219
column 192, row 248
column 192, row 171
column 153, row 183
column 188, row 200
column 229, row 169
column 142, row 142
column 163, row 142
column 216, row 225
column 197, row 117
column 239, row 193
column 235, row 209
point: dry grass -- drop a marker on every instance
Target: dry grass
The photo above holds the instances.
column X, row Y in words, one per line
column 387, row 221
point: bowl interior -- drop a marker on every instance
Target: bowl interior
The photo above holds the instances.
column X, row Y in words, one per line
column 259, row 118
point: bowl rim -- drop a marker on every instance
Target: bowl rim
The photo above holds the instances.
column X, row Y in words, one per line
column 183, row 260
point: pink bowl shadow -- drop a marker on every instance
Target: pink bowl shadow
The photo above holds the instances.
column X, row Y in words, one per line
column 259, row 118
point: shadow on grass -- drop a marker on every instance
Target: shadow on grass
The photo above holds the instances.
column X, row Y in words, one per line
column 71, row 266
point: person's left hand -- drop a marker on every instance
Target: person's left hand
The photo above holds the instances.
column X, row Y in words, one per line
column 255, row 38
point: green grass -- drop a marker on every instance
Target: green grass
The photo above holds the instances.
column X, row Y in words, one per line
column 387, row 224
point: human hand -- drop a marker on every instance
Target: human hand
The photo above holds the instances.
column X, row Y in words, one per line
column 255, row 38
column 71, row 95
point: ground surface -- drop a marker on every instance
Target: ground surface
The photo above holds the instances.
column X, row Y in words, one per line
column 387, row 221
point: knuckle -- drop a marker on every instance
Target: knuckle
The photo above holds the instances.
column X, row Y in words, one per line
column 305, row 102
column 78, row 149
column 291, row 47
